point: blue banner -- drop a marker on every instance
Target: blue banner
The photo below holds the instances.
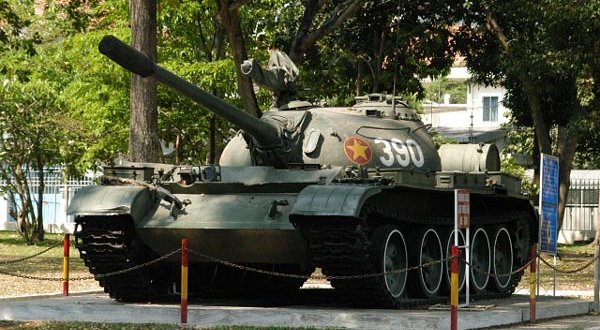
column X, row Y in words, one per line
column 548, row 230
column 548, row 234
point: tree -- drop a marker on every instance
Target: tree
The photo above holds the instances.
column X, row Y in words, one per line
column 144, row 145
column 546, row 54
column 33, row 130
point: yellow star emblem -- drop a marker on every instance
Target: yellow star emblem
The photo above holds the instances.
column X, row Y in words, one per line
column 357, row 150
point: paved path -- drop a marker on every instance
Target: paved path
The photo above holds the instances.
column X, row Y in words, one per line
column 99, row 308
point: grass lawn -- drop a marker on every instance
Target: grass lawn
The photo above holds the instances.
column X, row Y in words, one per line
column 570, row 257
column 47, row 265
column 117, row 326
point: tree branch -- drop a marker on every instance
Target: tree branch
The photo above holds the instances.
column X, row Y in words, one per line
column 305, row 39
column 495, row 29
column 235, row 5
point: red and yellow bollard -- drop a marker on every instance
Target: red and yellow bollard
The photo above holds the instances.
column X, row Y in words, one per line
column 454, row 289
column 65, row 278
column 532, row 282
column 184, row 281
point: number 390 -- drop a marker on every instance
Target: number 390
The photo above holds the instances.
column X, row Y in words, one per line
column 403, row 153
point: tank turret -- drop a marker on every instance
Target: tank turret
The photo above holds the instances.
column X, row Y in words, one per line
column 263, row 136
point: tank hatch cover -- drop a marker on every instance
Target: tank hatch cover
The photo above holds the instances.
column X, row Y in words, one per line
column 379, row 105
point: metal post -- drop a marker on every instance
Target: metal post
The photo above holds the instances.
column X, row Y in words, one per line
column 66, row 246
column 468, row 266
column 554, row 277
column 184, row 281
column 454, row 288
column 532, row 282
column 597, row 279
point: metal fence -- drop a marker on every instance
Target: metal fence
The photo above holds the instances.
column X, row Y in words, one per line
column 581, row 211
column 57, row 193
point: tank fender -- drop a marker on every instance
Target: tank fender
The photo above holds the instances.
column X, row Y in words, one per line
column 332, row 200
column 113, row 200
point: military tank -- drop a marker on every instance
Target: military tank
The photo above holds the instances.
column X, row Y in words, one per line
column 360, row 192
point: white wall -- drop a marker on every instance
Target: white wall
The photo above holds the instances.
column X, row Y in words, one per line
column 475, row 95
column 446, row 116
column 4, row 224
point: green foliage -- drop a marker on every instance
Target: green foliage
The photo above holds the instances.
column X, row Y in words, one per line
column 457, row 90
column 95, row 91
column 15, row 21
column 387, row 47
column 183, row 119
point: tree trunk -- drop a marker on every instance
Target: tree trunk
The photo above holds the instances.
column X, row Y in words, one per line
column 229, row 17
column 542, row 131
column 296, row 51
column 144, row 145
column 39, row 228
column 378, row 59
column 567, row 141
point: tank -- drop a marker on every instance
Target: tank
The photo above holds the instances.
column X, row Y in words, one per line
column 361, row 192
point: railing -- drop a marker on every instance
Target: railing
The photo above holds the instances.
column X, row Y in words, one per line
column 581, row 211
column 57, row 196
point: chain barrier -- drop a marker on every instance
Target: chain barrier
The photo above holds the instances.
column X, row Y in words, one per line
column 146, row 264
column 319, row 277
column 273, row 273
column 91, row 277
column 494, row 275
column 567, row 271
column 10, row 262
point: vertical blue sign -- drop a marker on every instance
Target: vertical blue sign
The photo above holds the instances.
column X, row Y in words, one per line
column 548, row 204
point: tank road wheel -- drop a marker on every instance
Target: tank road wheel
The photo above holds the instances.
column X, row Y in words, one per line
column 430, row 276
column 390, row 249
column 503, row 260
column 480, row 259
column 461, row 264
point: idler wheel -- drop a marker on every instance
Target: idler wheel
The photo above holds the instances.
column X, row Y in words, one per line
column 430, row 274
column 480, row 259
column 503, row 260
column 390, row 249
column 461, row 264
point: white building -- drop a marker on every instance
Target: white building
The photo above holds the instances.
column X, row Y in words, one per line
column 477, row 120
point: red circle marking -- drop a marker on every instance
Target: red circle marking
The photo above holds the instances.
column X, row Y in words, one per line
column 357, row 150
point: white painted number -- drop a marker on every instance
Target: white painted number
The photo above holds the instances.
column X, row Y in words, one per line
column 402, row 152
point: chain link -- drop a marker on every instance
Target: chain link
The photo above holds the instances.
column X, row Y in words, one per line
column 146, row 264
column 30, row 277
column 9, row 262
column 98, row 276
column 494, row 275
column 568, row 271
column 320, row 277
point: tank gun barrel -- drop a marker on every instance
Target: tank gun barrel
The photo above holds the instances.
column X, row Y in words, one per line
column 135, row 61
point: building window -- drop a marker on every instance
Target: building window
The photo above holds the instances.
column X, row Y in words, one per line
column 490, row 108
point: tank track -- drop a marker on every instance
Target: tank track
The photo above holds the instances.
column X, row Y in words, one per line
column 341, row 247
column 109, row 244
